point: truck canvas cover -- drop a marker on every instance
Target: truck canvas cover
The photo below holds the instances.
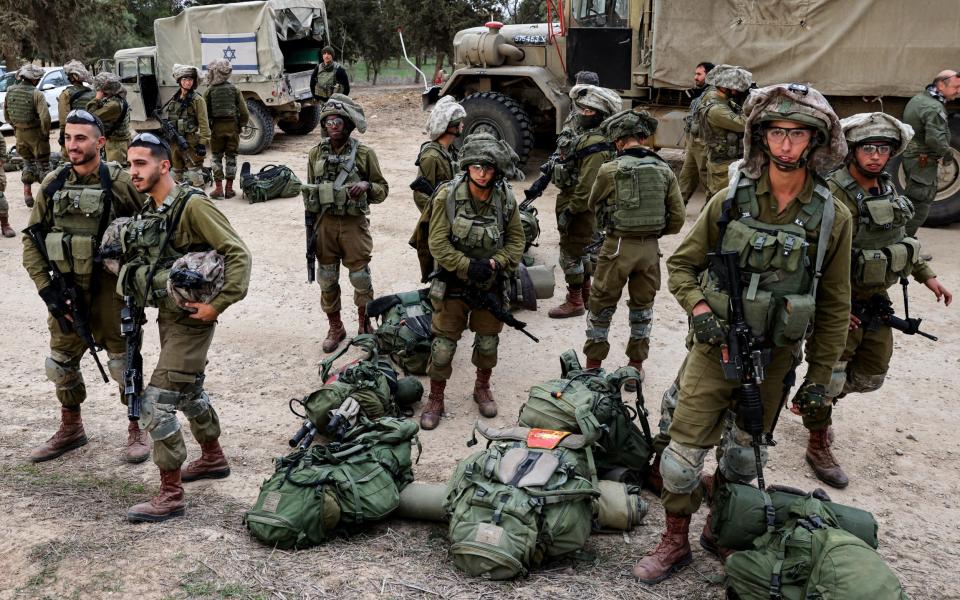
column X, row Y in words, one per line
column 851, row 48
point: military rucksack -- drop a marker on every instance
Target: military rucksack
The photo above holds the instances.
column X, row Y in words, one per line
column 810, row 558
column 273, row 181
column 530, row 495
column 323, row 491
column 404, row 329
column 587, row 400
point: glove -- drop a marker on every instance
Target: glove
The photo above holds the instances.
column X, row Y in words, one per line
column 201, row 150
column 480, row 270
column 54, row 303
column 707, row 329
column 810, row 398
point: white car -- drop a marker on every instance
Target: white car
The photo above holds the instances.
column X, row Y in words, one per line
column 54, row 81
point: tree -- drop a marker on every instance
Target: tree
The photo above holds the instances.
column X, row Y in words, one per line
column 531, row 11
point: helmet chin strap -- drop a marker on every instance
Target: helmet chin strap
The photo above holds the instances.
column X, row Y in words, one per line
column 865, row 172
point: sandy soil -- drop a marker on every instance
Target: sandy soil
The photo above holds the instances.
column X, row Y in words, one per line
column 64, row 532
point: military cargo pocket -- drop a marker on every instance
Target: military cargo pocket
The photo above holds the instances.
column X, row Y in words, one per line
column 717, row 299
column 56, row 251
column 81, row 251
column 794, row 316
column 789, row 252
column 311, row 197
column 899, row 257
column 871, row 267
column 758, row 312
column 460, row 228
column 881, row 212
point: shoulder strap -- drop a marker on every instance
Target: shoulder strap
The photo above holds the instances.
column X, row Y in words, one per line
column 451, row 202
column 347, row 166
column 727, row 208
column 591, row 149
column 174, row 222
column 53, row 187
column 826, row 227
column 106, row 184
column 77, row 94
column 119, row 122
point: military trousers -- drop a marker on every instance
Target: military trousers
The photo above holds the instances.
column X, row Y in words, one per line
column 450, row 320
column 633, row 262
column 577, row 231
column 344, row 239
column 4, row 205
column 184, row 343
column 116, row 150
column 921, row 188
column 33, row 146
column 693, row 172
column 706, row 396
column 224, row 141
column 187, row 164
column 718, row 176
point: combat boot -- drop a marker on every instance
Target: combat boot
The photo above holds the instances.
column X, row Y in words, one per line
column 69, row 435
column 335, row 334
column 433, row 411
column 670, row 555
column 572, row 306
column 631, row 385
column 5, row 226
column 138, row 448
column 593, row 363
column 482, row 395
column 212, row 464
column 825, row 465
column 229, row 193
column 364, row 321
column 168, row 502
column 217, row 189
column 27, row 195
column 585, row 291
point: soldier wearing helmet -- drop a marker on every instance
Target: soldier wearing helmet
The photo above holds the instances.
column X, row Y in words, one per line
column 720, row 121
column 187, row 111
column 883, row 253
column 437, row 158
column 112, row 109
column 74, row 96
column 475, row 238
column 639, row 199
column 793, row 241
column 581, row 150
column 25, row 109
column 344, row 179
column 228, row 114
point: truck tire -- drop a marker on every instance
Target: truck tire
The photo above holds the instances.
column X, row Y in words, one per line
column 258, row 133
column 307, row 121
column 946, row 207
column 501, row 116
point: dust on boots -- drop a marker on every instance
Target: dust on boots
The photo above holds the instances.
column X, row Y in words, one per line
column 69, row 436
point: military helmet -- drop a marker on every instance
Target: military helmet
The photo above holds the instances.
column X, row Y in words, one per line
column 75, row 67
column 482, row 148
column 730, row 77
column 446, row 111
column 196, row 277
column 600, row 99
column 218, row 71
column 627, row 123
column 346, row 107
column 30, row 71
column 108, row 83
column 110, row 245
column 409, row 391
column 181, row 71
column 862, row 128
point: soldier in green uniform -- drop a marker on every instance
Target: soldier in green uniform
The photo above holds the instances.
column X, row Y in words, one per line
column 693, row 171
column 582, row 149
column 176, row 220
column 111, row 107
column 26, row 110
column 74, row 96
column 720, row 122
column 5, row 228
column 925, row 112
column 329, row 77
column 228, row 114
column 475, row 237
column 883, row 253
column 347, row 179
column 74, row 205
column 639, row 198
column 793, row 239
column 437, row 158
column 187, row 111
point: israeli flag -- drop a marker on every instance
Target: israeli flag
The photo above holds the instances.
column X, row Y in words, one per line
column 238, row 48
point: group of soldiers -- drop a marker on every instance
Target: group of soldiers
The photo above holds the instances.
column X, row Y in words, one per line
column 816, row 229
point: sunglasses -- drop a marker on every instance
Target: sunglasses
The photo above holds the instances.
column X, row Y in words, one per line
column 870, row 149
column 482, row 168
column 333, row 122
column 149, row 138
column 86, row 117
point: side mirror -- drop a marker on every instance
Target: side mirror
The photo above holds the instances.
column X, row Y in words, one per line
column 47, row 86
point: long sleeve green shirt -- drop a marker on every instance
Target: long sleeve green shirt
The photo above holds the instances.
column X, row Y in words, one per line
column 367, row 165
column 928, row 117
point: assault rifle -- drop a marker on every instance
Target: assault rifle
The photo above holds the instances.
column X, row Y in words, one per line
column 878, row 310
column 131, row 328
column 741, row 356
column 422, row 184
column 304, row 436
column 310, row 224
column 540, row 184
column 169, row 131
column 478, row 299
column 78, row 318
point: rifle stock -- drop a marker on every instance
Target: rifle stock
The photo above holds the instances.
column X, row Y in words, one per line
column 131, row 328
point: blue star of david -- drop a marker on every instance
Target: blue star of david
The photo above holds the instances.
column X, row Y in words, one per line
column 230, row 54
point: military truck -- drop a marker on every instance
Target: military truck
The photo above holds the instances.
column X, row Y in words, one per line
column 272, row 45
column 864, row 56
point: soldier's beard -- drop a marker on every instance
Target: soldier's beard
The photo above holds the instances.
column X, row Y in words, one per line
column 85, row 157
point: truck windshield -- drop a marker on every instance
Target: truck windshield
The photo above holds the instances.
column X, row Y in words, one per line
column 601, row 13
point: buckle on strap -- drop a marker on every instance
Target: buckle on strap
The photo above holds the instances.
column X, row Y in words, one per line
column 775, row 587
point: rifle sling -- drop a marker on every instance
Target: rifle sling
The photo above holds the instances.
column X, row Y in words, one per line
column 346, row 167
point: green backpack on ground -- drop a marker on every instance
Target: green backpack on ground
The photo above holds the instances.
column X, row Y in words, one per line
column 273, row 181
column 810, row 558
column 404, row 330
column 530, row 495
column 324, row 491
column 583, row 400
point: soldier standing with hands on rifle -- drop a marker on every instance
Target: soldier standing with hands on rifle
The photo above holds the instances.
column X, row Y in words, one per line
column 73, row 207
column 187, row 112
column 778, row 237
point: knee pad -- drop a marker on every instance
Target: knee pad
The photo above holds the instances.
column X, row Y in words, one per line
column 668, row 404
column 738, row 462
column 158, row 413
column 862, row 384
column 116, row 364
column 838, row 378
column 196, row 177
column 361, row 280
column 194, row 405
column 640, row 322
column 64, row 373
column 441, row 351
column 598, row 324
column 486, row 344
column 328, row 276
column 680, row 467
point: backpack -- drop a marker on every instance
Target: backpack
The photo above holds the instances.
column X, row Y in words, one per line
column 530, row 495
column 330, row 490
column 404, row 328
column 273, row 181
column 585, row 400
column 810, row 558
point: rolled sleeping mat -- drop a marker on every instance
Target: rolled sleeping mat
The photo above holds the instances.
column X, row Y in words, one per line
column 422, row 502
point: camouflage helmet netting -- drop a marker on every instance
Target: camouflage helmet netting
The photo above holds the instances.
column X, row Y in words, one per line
column 483, row 148
column 346, row 107
column 873, row 126
column 218, row 71
column 629, row 122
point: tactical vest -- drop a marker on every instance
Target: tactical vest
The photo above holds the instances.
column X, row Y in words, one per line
column 691, row 123
column 183, row 114
column 21, row 107
column 447, row 159
column 335, row 174
column 120, row 128
column 722, row 145
column 779, row 281
column 326, row 80
column 77, row 215
column 223, row 101
column 639, row 205
column 882, row 251
column 79, row 96
column 566, row 170
column 478, row 236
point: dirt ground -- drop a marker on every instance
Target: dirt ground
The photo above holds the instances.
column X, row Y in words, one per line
column 63, row 528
